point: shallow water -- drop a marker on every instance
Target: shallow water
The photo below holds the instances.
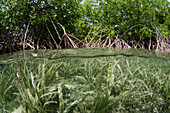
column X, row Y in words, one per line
column 81, row 53
column 79, row 62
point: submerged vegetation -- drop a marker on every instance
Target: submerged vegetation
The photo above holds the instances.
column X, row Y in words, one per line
column 95, row 85
column 50, row 24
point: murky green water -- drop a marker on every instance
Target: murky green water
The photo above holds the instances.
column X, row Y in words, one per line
column 80, row 62
column 82, row 53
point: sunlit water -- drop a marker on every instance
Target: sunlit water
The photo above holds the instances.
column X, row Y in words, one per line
column 72, row 58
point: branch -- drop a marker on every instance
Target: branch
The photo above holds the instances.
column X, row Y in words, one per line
column 57, row 46
column 25, row 35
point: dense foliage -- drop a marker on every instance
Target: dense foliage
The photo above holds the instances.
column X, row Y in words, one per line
column 31, row 18
column 130, row 20
column 34, row 24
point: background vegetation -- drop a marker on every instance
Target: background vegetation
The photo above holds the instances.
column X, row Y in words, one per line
column 49, row 24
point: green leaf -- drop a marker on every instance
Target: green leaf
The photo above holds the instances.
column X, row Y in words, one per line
column 129, row 33
column 112, row 32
